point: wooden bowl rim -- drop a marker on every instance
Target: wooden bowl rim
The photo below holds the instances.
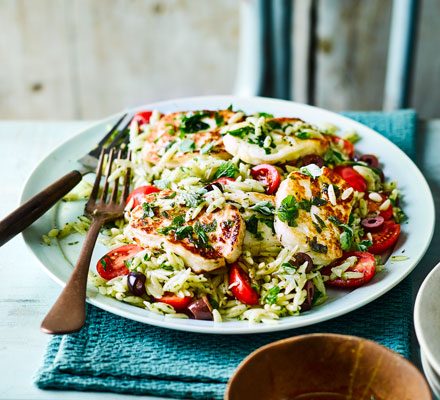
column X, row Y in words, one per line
column 338, row 336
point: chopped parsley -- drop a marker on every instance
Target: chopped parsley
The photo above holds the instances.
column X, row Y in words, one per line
column 252, row 227
column 148, row 210
column 187, row 146
column 288, row 211
column 175, row 224
column 193, row 199
column 207, row 147
column 201, row 232
column 303, row 135
column 363, row 245
column 264, row 207
column 289, row 268
column 347, row 236
column 183, row 232
column 318, row 247
column 305, row 205
column 193, row 123
column 219, row 120
column 316, row 201
column 227, row 169
column 264, row 114
column 241, row 132
column 103, row 263
column 333, row 157
column 272, row 295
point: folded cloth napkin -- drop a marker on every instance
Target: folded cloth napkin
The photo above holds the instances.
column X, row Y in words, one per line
column 119, row 355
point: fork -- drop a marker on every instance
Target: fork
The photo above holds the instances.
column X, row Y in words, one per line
column 36, row 206
column 68, row 314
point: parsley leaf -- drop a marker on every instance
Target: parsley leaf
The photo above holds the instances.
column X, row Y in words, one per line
column 219, row 120
column 303, row 135
column 305, row 205
column 199, row 230
column 272, row 294
column 227, row 169
column 252, row 226
column 241, row 132
column 103, row 263
column 363, row 245
column 175, row 224
column 264, row 207
column 193, row 123
column 183, row 232
column 288, row 211
column 148, row 210
column 192, row 199
column 316, row 201
column 318, row 247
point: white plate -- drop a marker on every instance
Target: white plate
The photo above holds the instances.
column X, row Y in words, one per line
column 432, row 378
column 427, row 318
column 415, row 238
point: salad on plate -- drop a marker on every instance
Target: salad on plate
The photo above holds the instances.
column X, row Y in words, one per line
column 249, row 217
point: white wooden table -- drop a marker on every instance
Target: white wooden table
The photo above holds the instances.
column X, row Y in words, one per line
column 27, row 292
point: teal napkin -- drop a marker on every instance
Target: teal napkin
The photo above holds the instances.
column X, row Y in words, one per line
column 119, row 355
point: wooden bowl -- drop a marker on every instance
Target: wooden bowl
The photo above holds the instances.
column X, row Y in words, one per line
column 324, row 367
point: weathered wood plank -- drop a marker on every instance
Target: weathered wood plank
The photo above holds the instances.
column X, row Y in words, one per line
column 35, row 72
column 140, row 51
column 351, row 57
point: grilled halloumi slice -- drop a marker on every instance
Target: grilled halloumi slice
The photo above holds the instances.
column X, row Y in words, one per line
column 313, row 228
column 187, row 134
column 204, row 243
column 274, row 140
column 260, row 236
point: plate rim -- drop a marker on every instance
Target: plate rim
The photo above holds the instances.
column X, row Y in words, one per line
column 434, row 363
column 245, row 327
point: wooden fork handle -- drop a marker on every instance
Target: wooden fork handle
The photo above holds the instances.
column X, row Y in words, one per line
column 35, row 207
column 68, row 314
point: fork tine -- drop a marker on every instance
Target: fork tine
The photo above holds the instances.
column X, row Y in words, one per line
column 107, row 174
column 114, row 194
column 122, row 132
column 95, row 189
column 126, row 181
column 97, row 150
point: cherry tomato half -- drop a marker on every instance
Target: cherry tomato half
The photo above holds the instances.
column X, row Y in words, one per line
column 241, row 286
column 354, row 179
column 142, row 118
column 373, row 208
column 113, row 263
column 268, row 175
column 138, row 194
column 366, row 264
column 347, row 146
column 178, row 303
column 385, row 238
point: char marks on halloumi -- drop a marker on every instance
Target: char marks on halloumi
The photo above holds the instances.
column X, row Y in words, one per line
column 198, row 129
column 317, row 199
column 273, row 140
column 204, row 243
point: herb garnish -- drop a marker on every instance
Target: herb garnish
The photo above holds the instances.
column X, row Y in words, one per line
column 272, row 294
column 226, row 169
column 148, row 210
column 241, row 132
column 193, row 123
column 318, row 247
column 288, row 211
column 264, row 207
